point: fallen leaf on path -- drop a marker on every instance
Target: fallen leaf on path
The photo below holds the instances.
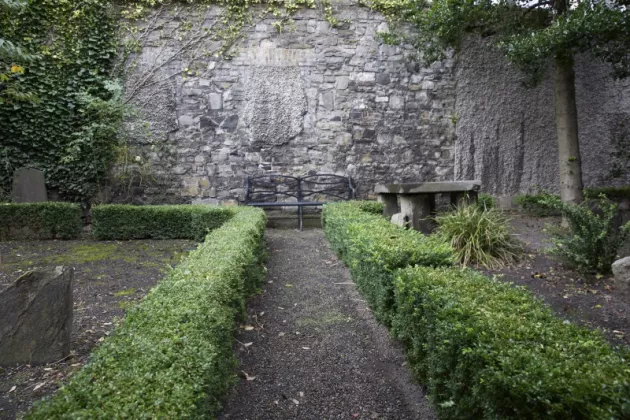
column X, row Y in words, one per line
column 13, row 388
column 281, row 334
column 248, row 328
column 247, row 344
column 39, row 385
column 261, row 314
column 296, row 402
column 249, row 378
column 301, row 394
column 288, row 285
column 306, row 348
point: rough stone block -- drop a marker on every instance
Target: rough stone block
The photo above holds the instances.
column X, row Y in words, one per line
column 621, row 271
column 418, row 208
column 29, row 186
column 400, row 219
column 36, row 317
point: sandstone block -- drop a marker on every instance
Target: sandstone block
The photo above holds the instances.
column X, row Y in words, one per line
column 36, row 317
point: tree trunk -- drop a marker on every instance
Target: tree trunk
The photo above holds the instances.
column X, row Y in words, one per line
column 567, row 131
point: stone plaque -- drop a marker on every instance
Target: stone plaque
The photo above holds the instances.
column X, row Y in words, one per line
column 36, row 317
column 29, row 186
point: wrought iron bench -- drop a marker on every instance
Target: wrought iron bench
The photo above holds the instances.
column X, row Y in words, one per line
column 292, row 191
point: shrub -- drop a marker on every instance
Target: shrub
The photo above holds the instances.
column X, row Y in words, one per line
column 51, row 220
column 486, row 201
column 479, row 236
column 487, row 349
column 172, row 357
column 123, row 221
column 373, row 248
column 595, row 236
column 530, row 203
column 610, row 192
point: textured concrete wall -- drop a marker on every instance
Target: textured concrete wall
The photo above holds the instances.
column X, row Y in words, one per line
column 506, row 132
column 311, row 99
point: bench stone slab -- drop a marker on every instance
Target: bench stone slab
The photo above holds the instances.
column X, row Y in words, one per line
column 428, row 187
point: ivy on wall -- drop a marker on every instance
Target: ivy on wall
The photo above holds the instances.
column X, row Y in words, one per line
column 79, row 53
column 67, row 132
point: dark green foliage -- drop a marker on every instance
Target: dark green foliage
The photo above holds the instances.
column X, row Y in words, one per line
column 172, row 355
column 70, row 131
column 43, row 220
column 610, row 192
column 123, row 221
column 487, row 349
column 486, row 201
column 479, row 235
column 594, row 233
column 373, row 248
column 530, row 204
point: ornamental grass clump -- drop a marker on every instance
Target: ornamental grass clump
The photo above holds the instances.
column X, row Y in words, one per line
column 479, row 236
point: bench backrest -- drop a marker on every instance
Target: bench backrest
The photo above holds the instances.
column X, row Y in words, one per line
column 292, row 189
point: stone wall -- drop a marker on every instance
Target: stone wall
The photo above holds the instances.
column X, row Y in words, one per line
column 309, row 99
column 506, row 132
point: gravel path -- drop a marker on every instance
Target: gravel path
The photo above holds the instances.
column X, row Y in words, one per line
column 315, row 351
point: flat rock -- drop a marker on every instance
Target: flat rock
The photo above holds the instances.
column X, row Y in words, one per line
column 621, row 270
column 428, row 187
column 36, row 317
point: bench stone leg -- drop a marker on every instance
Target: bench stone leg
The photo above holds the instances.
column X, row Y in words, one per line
column 465, row 197
column 419, row 209
column 391, row 204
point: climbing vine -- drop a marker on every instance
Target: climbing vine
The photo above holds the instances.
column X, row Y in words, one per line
column 69, row 117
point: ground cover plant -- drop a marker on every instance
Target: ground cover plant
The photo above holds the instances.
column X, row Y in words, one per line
column 485, row 348
column 373, row 248
column 122, row 221
column 172, row 357
column 40, row 220
column 479, row 235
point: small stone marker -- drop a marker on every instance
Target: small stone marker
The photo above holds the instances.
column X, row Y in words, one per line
column 401, row 220
column 36, row 317
column 29, row 186
column 621, row 270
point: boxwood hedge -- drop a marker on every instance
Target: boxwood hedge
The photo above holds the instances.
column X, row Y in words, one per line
column 373, row 249
column 484, row 348
column 488, row 349
column 123, row 221
column 50, row 220
column 172, row 357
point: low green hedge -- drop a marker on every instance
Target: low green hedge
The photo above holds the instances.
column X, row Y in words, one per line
column 123, row 221
column 487, row 349
column 611, row 193
column 373, row 248
column 172, row 355
column 51, row 220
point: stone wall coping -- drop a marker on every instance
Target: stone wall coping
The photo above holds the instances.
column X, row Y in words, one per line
column 428, row 187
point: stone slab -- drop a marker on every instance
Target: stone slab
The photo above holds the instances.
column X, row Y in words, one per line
column 29, row 186
column 428, row 187
column 36, row 317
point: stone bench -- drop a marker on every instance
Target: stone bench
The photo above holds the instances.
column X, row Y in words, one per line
column 416, row 202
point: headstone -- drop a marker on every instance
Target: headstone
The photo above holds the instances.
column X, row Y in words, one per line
column 621, row 270
column 29, row 186
column 36, row 317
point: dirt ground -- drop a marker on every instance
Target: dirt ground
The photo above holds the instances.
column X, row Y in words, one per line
column 110, row 277
column 586, row 299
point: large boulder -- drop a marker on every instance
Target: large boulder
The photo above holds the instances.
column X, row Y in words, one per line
column 621, row 270
column 36, row 317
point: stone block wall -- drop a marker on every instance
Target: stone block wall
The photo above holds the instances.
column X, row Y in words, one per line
column 309, row 99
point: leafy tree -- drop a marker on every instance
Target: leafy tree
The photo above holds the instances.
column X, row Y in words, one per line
column 12, row 58
column 531, row 34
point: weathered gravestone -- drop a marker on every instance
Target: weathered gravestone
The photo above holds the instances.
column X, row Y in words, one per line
column 36, row 317
column 29, row 186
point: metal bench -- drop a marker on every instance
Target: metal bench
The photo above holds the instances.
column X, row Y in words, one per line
column 292, row 191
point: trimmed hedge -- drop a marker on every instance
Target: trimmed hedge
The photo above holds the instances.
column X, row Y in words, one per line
column 373, row 248
column 488, row 349
column 123, row 221
column 50, row 220
column 172, row 355
column 612, row 193
column 484, row 348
